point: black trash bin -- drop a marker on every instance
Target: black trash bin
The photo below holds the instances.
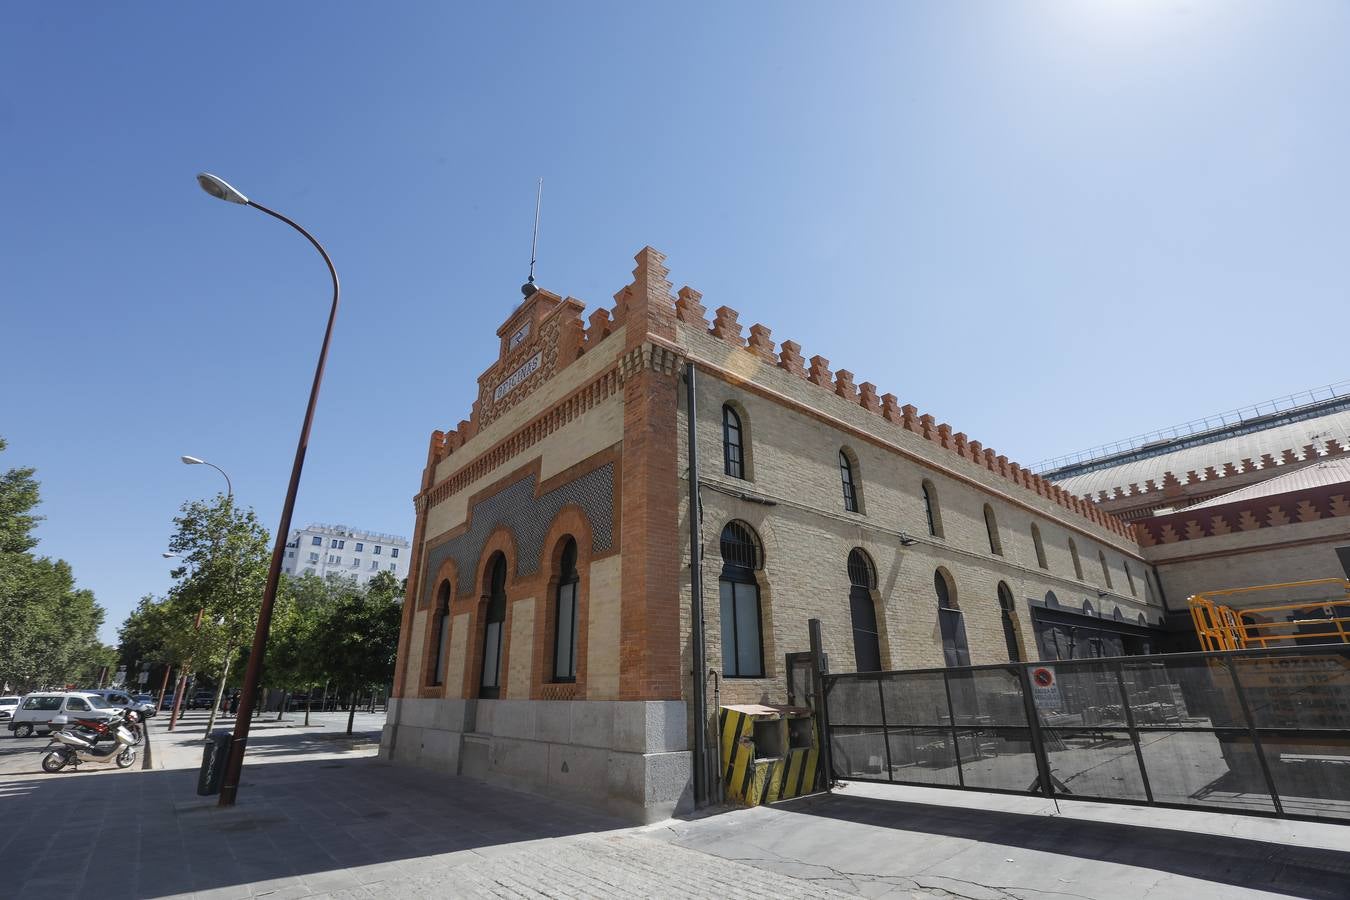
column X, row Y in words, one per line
column 213, row 763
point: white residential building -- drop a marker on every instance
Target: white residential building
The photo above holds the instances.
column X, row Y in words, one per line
column 324, row 550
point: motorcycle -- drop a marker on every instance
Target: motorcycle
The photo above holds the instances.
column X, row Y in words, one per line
column 97, row 730
column 72, row 746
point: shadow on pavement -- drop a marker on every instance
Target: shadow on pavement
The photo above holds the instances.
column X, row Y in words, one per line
column 149, row 834
column 1258, row 865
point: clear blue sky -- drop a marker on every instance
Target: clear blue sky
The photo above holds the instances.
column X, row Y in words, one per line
column 1050, row 224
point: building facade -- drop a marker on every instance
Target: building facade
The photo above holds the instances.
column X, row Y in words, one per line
column 325, row 550
column 548, row 633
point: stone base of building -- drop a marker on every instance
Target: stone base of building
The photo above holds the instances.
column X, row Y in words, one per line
column 629, row 758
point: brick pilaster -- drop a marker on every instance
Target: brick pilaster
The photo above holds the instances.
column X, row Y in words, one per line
column 649, row 653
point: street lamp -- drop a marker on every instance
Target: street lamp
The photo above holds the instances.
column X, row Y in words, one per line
column 229, row 507
column 181, row 684
column 194, row 461
column 235, row 761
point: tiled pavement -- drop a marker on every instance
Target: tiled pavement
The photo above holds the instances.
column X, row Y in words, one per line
column 318, row 816
column 353, row 828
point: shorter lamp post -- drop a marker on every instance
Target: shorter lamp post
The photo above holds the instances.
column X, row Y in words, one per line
column 182, row 669
column 234, row 587
column 234, row 764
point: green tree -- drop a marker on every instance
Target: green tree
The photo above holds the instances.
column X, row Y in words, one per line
column 152, row 635
column 48, row 627
column 293, row 655
column 357, row 637
column 225, row 555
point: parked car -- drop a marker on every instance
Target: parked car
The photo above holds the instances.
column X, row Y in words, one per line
column 126, row 701
column 7, row 707
column 36, row 712
column 201, row 700
column 167, row 703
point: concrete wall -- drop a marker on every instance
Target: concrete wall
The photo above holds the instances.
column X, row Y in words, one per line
column 629, row 758
column 1299, row 551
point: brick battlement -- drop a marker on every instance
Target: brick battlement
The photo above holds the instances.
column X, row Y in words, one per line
column 571, row 338
column 725, row 326
column 567, row 337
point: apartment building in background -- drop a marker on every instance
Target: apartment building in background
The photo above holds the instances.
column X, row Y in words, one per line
column 325, row 550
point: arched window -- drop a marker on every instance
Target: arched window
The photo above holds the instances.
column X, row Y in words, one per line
column 742, row 646
column 442, row 633
column 955, row 649
column 1040, row 547
column 565, row 610
column 493, row 619
column 931, row 510
column 1077, row 563
column 991, row 526
column 862, row 580
column 1129, row 576
column 1106, row 571
column 846, row 476
column 733, row 450
column 1005, row 603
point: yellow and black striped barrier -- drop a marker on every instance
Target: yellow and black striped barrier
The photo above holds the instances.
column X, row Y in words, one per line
column 760, row 764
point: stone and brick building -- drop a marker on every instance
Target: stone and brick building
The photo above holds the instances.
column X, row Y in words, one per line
column 547, row 637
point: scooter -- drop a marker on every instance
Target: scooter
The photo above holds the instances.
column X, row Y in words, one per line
column 70, row 747
column 97, row 730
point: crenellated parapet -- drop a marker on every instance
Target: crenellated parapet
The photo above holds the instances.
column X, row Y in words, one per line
column 725, row 327
column 546, row 333
column 1192, row 487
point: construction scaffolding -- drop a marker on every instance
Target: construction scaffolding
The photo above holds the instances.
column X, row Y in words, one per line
column 1223, row 622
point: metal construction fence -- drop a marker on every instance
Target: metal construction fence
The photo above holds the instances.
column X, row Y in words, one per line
column 1265, row 732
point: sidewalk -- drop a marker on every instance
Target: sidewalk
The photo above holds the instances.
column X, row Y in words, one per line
column 891, row 840
column 333, row 822
column 269, row 740
column 320, row 816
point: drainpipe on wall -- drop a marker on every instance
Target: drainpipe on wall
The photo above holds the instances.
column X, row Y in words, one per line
column 696, row 598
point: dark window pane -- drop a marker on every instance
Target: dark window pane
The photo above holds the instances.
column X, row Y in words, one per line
column 955, row 649
column 739, row 547
column 731, row 443
column 748, row 658
column 727, row 614
column 564, row 645
column 866, row 641
column 846, row 475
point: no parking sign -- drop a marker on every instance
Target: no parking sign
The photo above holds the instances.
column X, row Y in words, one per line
column 1044, row 690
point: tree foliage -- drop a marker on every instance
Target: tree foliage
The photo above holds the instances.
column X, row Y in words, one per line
column 337, row 631
column 48, row 627
column 210, row 611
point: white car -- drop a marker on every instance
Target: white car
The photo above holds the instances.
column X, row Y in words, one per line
column 124, row 700
column 7, row 706
column 36, row 712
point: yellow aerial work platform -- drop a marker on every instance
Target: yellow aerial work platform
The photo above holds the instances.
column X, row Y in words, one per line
column 1221, row 626
column 768, row 752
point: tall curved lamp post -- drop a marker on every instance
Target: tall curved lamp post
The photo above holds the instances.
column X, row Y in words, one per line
column 235, row 760
column 194, row 461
